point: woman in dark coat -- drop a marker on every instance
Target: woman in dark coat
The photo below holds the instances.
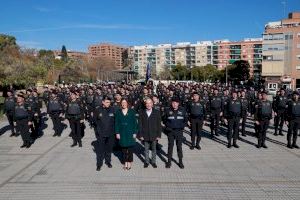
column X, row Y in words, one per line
column 126, row 129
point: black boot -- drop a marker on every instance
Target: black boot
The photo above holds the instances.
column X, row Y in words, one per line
column 28, row 145
column 23, row 145
column 181, row 164
column 289, row 145
column 295, row 145
column 74, row 144
column 79, row 143
column 168, row 164
column 235, row 145
column 280, row 132
column 258, row 144
column 198, row 143
column 229, row 144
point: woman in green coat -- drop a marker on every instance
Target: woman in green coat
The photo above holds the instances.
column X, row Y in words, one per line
column 126, row 130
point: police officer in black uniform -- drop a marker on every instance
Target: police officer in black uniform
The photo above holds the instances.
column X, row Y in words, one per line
column 215, row 107
column 105, row 120
column 232, row 114
column 55, row 110
column 89, row 99
column 37, row 116
column 9, row 106
column 293, row 120
column 23, row 116
column 279, row 111
column 75, row 115
column 196, row 111
column 245, row 108
column 29, row 102
column 262, row 119
column 46, row 95
column 175, row 120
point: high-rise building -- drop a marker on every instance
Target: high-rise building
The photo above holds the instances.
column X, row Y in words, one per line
column 226, row 53
column 105, row 50
column 281, row 53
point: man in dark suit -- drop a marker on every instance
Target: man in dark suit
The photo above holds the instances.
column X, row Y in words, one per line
column 150, row 130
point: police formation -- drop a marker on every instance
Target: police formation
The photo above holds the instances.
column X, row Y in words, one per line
column 120, row 114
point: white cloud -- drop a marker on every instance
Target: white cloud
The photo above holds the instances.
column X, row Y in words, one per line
column 93, row 26
column 42, row 9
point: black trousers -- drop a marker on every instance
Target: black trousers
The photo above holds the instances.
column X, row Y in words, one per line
column 127, row 154
column 105, row 149
column 214, row 122
column 196, row 129
column 175, row 135
column 244, row 119
column 88, row 115
column 57, row 125
column 293, row 128
column 278, row 121
column 233, row 129
column 10, row 118
column 256, row 129
column 23, row 128
column 262, row 131
column 76, row 130
column 35, row 127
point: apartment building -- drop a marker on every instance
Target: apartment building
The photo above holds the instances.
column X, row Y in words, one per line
column 226, row 53
column 281, row 53
column 105, row 50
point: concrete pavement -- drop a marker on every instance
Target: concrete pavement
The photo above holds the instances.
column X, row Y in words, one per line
column 51, row 169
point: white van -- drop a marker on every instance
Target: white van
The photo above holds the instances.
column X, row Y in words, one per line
column 272, row 88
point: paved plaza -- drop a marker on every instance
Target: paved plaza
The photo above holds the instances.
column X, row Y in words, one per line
column 51, row 169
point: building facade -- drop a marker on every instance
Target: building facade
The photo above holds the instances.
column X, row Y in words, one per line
column 218, row 53
column 226, row 53
column 105, row 50
column 281, row 53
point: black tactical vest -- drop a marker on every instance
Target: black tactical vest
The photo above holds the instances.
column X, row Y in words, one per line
column 197, row 109
column 9, row 104
column 21, row 112
column 266, row 109
column 73, row 108
column 234, row 107
column 296, row 109
column 54, row 105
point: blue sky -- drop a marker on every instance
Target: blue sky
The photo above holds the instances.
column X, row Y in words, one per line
column 77, row 24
